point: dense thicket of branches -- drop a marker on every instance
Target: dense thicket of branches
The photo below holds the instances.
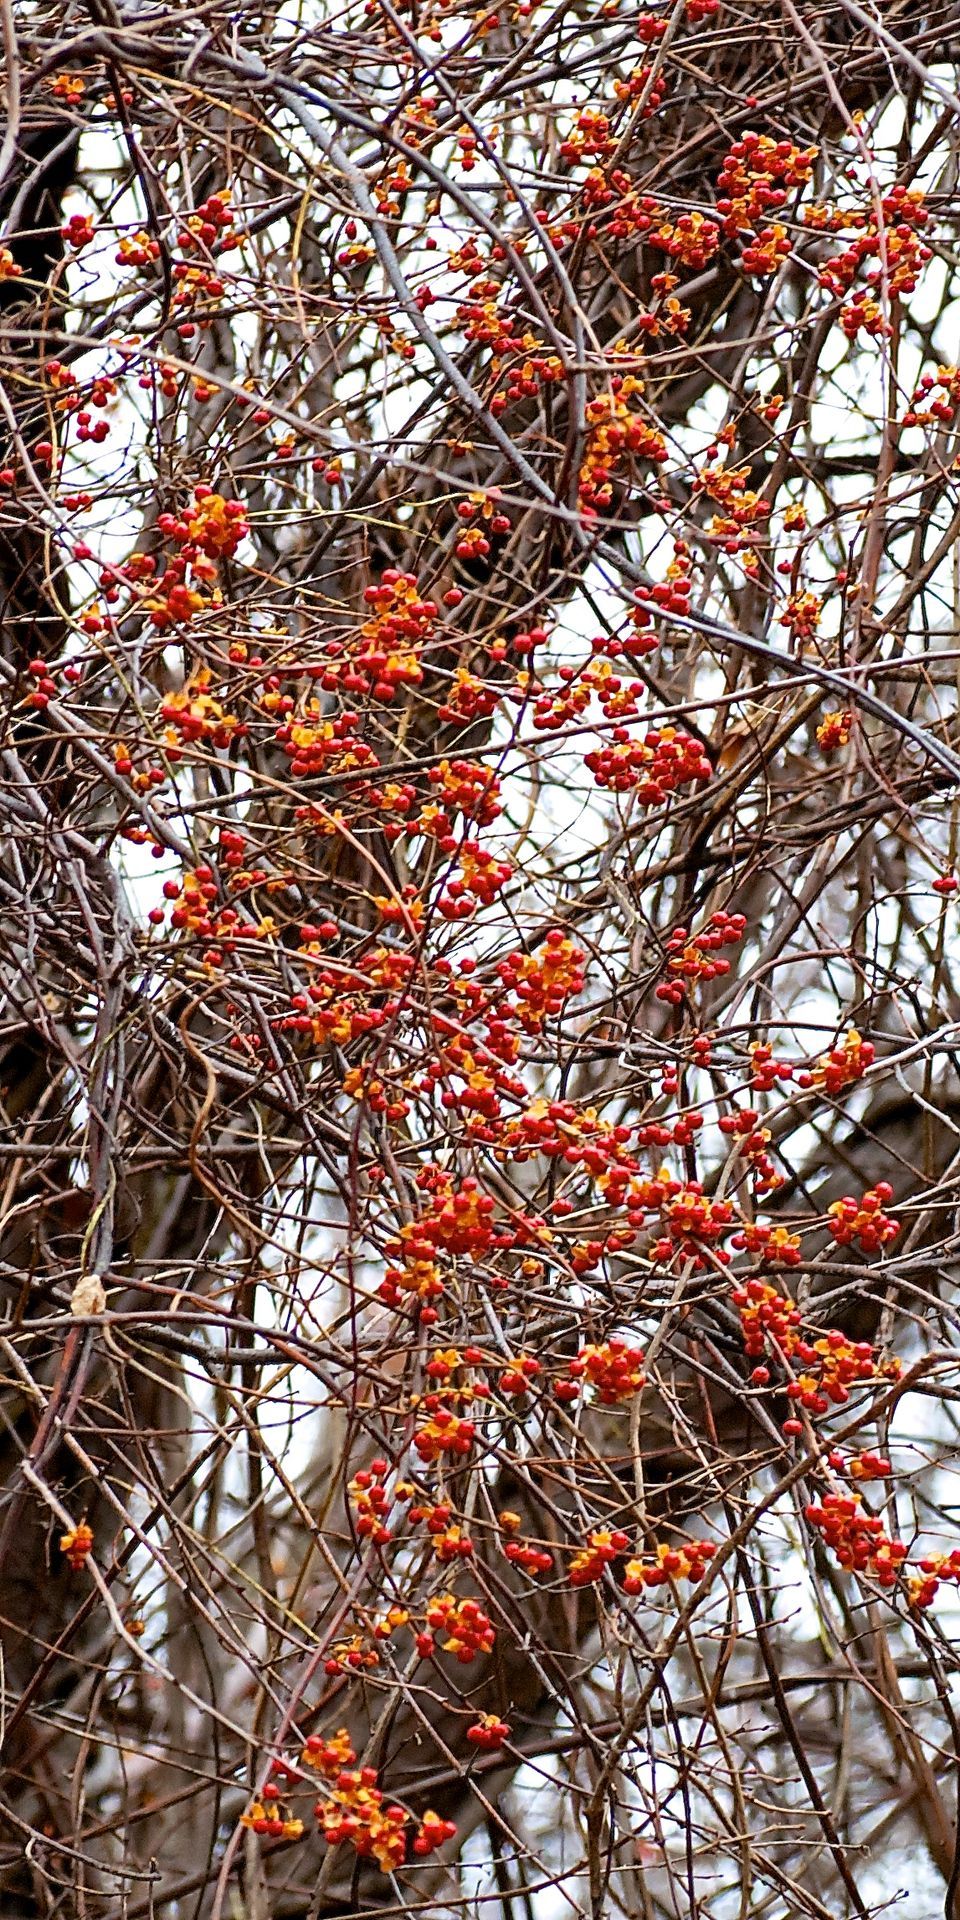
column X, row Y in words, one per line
column 479, row 1101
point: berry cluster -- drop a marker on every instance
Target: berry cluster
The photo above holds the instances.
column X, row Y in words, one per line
column 522, row 1553
column 449, row 1542
column 933, row 1570
column 693, row 1222
column 891, row 242
column 835, row 729
column 834, row 1364
column 138, row 249
column 267, row 1817
column 664, row 760
column 468, row 699
column 75, row 1545
column 472, row 543
column 444, row 1433
column 459, row 787
column 692, row 240
column 591, row 135
column 615, row 434
column 936, row 399
column 766, row 1316
column 370, row 1501
column 603, row 1547
column 672, row 593
column 383, row 657
column 526, row 378
column 687, row 1561
column 745, row 512
column 194, row 713
column 691, row 960
column 516, row 1379
column 488, row 1733
column 467, row 1628
column 646, row 85
column 863, row 1222
column 777, row 1246
column 543, row 985
column 355, row 1814
column 765, row 1069
column 755, row 179
column 844, row 1065
column 480, row 878
column 858, row 1540
column 316, row 745
column 827, row 1367
column 752, row 1145
column 768, row 251
column 614, row 1370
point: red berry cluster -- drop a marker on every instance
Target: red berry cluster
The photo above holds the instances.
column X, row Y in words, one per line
column 835, row 729
column 526, row 378
column 356, row 1815
column 756, row 176
column 777, row 1246
column 752, row 1144
column 433, row 1832
column 443, row 1433
column 844, row 1065
column 480, row 878
column 614, row 1370
column 616, row 434
column 137, row 250
column 316, row 744
column 934, row 1569
column 460, row 787
column 644, row 84
column 467, row 1628
column 461, row 1217
column 828, row 1366
column 516, row 1379
column 691, row 960
column 693, row 1222
column 863, row 1222
column 488, row 1733
column 211, row 226
column 384, row 656
column 687, row 1561
column 892, row 243
column 543, row 984
column 193, row 712
column 765, row 1315
column 834, row 1364
column 861, row 1466
column 268, row 1818
column 669, row 596
column 469, row 699
column 591, row 135
column 75, row 1545
column 448, row 1542
column 522, row 1553
column 691, row 239
column 351, row 1656
column 857, row 1539
column 665, row 759
column 602, row 1548
column 370, row 1502
column 936, row 399
column 765, row 1069
column 768, row 251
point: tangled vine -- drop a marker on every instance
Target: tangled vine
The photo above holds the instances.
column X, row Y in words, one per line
column 479, row 1088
